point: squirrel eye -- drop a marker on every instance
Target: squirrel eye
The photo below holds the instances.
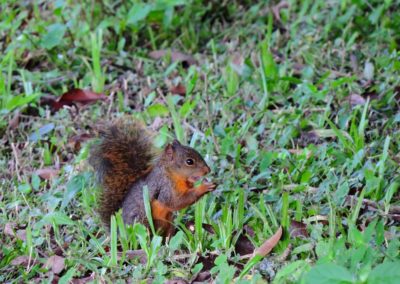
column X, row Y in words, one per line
column 189, row 162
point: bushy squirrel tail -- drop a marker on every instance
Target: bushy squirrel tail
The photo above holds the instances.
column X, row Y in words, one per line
column 123, row 154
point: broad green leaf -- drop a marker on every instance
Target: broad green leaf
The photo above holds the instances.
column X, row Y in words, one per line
column 328, row 273
column 66, row 278
column 388, row 273
column 138, row 12
column 20, row 100
column 73, row 187
column 290, row 270
column 58, row 218
column 157, row 110
column 54, row 36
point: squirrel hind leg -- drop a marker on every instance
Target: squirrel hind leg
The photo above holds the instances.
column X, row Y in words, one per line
column 164, row 228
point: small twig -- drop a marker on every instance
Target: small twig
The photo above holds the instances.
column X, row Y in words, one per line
column 110, row 99
column 15, row 153
column 159, row 91
column 285, row 253
column 182, row 256
column 246, row 256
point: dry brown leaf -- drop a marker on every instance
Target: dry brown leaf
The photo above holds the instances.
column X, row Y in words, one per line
column 298, row 229
column 75, row 141
column 47, row 173
column 237, row 63
column 269, row 244
column 9, row 229
column 243, row 245
column 14, row 121
column 132, row 254
column 84, row 279
column 202, row 277
column 356, row 99
column 23, row 260
column 55, row 263
column 82, row 96
column 175, row 56
column 72, row 97
column 157, row 123
column 310, row 137
column 21, row 234
column 178, row 90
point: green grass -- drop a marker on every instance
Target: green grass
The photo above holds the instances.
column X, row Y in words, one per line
column 298, row 117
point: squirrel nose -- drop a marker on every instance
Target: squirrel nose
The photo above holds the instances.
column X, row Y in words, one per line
column 206, row 169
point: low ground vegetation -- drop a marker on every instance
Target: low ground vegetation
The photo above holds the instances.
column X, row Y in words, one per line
column 294, row 104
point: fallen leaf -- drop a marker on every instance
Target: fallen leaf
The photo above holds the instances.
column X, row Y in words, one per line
column 14, row 122
column 21, row 234
column 9, row 229
column 237, row 63
column 202, row 277
column 47, row 100
column 23, row 260
column 207, row 261
column 59, row 249
column 55, row 263
column 145, row 91
column 354, row 62
column 269, row 244
column 84, row 279
column 243, row 245
column 369, row 205
column 47, row 173
column 132, row 254
column 178, row 90
column 249, row 230
column 157, row 123
column 355, row 100
column 82, row 96
column 75, row 141
column 72, row 97
column 310, row 137
column 298, row 229
column 176, row 56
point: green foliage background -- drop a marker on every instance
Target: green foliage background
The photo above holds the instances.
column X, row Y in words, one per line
column 295, row 106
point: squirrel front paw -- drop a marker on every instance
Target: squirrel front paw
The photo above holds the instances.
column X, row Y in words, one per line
column 207, row 186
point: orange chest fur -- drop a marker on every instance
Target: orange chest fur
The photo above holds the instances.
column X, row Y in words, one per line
column 181, row 185
column 160, row 211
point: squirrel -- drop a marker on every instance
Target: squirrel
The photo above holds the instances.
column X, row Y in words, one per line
column 125, row 161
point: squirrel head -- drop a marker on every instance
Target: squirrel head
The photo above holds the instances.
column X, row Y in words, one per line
column 184, row 161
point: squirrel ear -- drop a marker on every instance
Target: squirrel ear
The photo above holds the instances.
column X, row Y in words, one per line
column 169, row 151
column 176, row 143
